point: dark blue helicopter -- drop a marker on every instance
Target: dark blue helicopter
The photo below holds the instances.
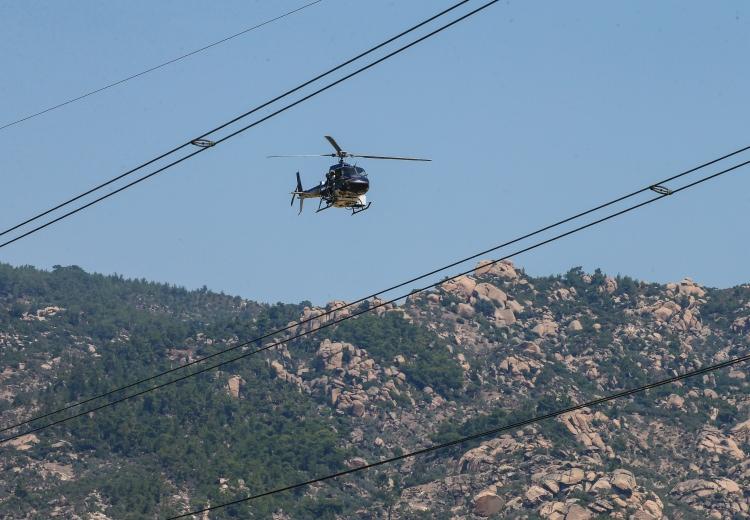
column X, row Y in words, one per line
column 345, row 185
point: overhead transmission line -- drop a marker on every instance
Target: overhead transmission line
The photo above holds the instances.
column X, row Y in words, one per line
column 156, row 67
column 475, row 436
column 205, row 144
column 380, row 292
column 662, row 193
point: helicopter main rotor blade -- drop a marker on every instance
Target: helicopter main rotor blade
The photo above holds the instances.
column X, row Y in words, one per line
column 307, row 155
column 387, row 157
column 339, row 151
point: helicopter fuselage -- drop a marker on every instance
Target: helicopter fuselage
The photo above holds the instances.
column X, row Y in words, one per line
column 345, row 186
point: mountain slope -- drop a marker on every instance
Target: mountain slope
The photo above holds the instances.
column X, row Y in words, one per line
column 481, row 351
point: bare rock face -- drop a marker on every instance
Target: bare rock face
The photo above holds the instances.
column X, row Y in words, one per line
column 653, row 508
column 518, row 366
column 713, row 441
column 441, row 495
column 711, row 394
column 575, row 326
column 740, row 431
column 487, row 503
column 335, row 393
column 281, row 373
column 663, row 313
column 332, row 353
column 311, row 318
column 357, row 409
column 563, row 294
column 555, row 495
column 503, row 269
column 535, row 494
column 580, row 424
column 433, row 298
column 546, row 328
column 24, row 442
column 42, row 314
column 338, row 310
column 623, row 480
column 688, row 321
column 352, row 381
column 567, row 478
column 741, row 325
column 553, row 510
column 577, row 512
column 675, row 401
column 233, row 386
column 462, row 287
column 492, row 452
column 693, row 490
column 602, row 485
column 713, row 495
column 476, row 460
column 514, row 306
column 689, row 288
column 504, row 317
column 728, row 485
column 491, row 293
column 61, row 471
column 356, row 462
column 465, row 310
column 572, row 476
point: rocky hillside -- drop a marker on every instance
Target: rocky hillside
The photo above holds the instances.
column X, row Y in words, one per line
column 482, row 351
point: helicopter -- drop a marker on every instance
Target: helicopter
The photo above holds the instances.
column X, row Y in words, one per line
column 345, row 185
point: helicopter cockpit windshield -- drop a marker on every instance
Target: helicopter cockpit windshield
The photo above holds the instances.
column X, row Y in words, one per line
column 348, row 171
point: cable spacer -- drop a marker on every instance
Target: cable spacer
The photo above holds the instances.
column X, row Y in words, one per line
column 202, row 143
column 661, row 190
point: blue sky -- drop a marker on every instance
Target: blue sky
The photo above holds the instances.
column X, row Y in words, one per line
column 531, row 111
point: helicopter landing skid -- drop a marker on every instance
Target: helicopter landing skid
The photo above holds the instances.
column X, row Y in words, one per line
column 321, row 207
column 360, row 209
column 355, row 209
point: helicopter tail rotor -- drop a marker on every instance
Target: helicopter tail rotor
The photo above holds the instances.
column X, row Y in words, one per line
column 296, row 193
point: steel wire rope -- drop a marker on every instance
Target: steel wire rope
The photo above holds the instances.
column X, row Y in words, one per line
column 157, row 67
column 208, row 133
column 371, row 307
column 376, row 294
column 479, row 435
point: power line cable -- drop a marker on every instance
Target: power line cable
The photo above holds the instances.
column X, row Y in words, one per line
column 351, row 316
column 486, row 433
column 216, row 129
column 156, row 67
column 376, row 294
